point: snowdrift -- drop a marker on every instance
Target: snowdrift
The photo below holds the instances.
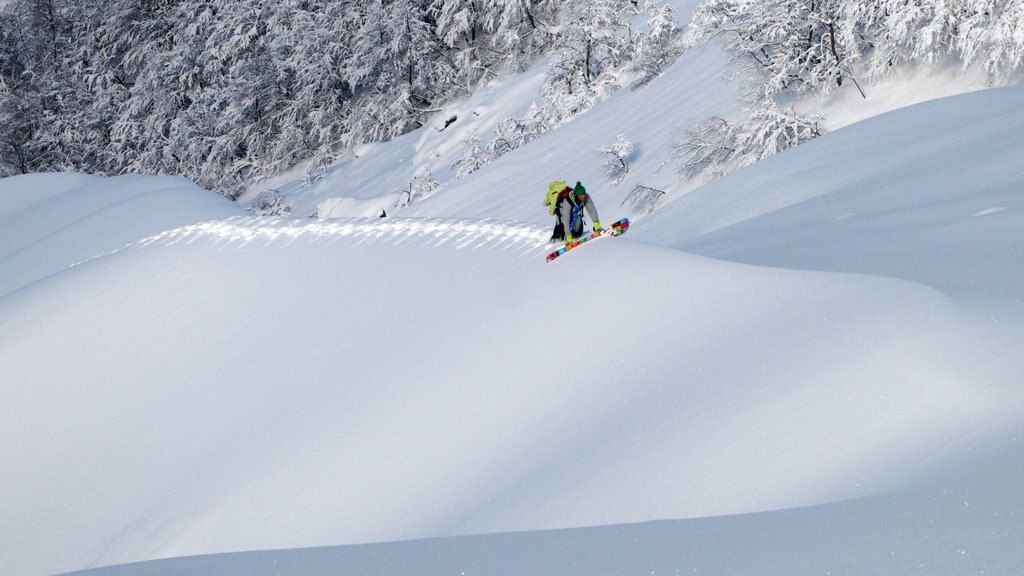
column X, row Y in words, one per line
column 243, row 384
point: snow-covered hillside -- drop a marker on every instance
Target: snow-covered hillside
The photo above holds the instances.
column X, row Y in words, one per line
column 199, row 381
column 378, row 177
column 809, row 366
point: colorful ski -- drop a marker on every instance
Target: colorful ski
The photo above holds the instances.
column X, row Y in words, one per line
column 615, row 229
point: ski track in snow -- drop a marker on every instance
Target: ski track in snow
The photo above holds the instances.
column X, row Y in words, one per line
column 526, row 239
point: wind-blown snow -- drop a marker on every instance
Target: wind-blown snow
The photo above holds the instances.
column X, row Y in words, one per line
column 809, row 366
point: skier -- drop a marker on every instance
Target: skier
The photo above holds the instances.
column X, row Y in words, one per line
column 567, row 205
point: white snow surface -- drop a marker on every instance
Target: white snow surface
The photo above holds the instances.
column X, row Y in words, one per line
column 810, row 366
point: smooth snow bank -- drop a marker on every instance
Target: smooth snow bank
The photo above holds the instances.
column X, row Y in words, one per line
column 963, row 525
column 249, row 384
column 53, row 221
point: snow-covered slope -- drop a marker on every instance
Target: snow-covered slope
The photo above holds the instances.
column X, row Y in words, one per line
column 54, row 221
column 809, row 366
column 248, row 384
column 227, row 383
column 930, row 193
column 959, row 526
column 376, row 176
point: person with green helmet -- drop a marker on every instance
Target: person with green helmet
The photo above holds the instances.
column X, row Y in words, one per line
column 567, row 205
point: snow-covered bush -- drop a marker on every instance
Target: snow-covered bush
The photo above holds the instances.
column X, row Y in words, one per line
column 422, row 186
column 616, row 155
column 270, row 203
column 474, row 156
column 770, row 130
column 643, row 199
column 513, row 132
column 317, row 167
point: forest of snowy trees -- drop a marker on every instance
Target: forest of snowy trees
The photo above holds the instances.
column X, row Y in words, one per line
column 228, row 91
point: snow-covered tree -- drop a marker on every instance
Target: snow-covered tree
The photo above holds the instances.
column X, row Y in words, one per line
column 474, row 156
column 398, row 69
column 615, row 165
column 783, row 46
column 704, row 148
column 315, row 54
column 770, row 130
column 1005, row 40
column 523, row 30
column 229, row 91
column 594, row 42
column 20, row 152
column 792, row 46
column 464, row 29
column 658, row 47
column 714, row 146
column 513, row 132
column 17, row 118
column 67, row 127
